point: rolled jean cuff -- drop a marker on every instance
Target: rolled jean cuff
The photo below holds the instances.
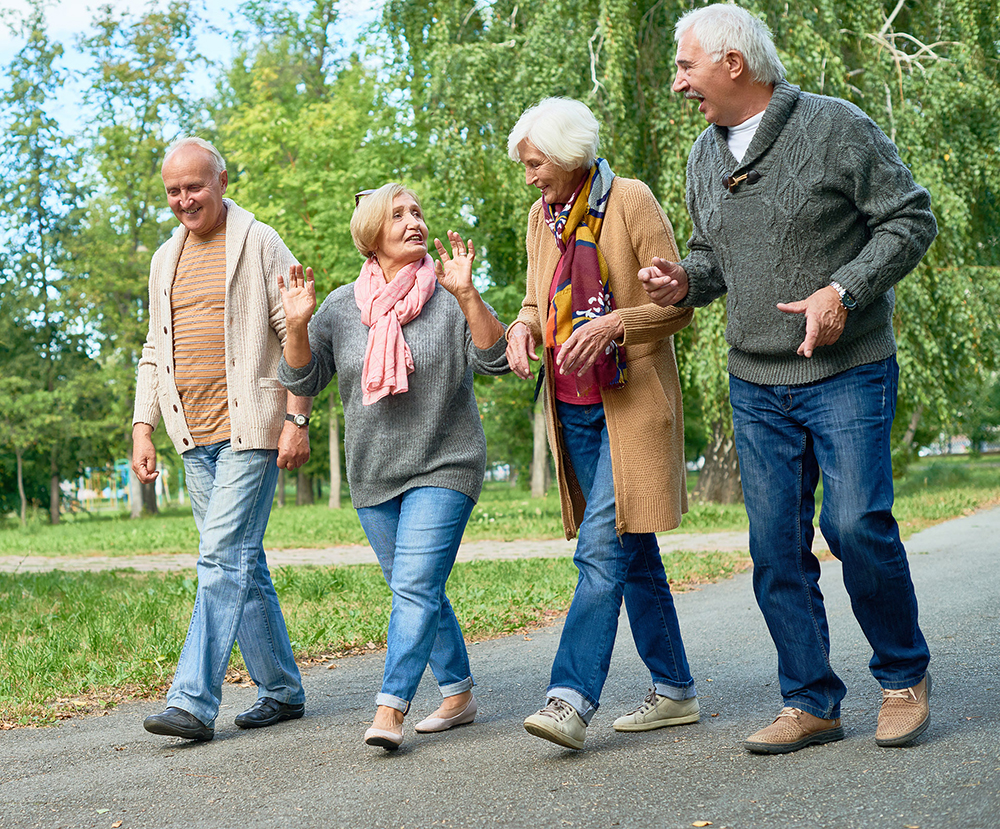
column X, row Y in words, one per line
column 583, row 706
column 679, row 693
column 392, row 702
column 455, row 688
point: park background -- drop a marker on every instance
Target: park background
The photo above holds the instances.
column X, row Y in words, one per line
column 311, row 102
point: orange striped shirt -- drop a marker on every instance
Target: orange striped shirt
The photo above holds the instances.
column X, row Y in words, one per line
column 198, row 299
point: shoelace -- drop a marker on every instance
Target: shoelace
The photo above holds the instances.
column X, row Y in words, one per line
column 555, row 709
column 905, row 694
column 788, row 711
column 648, row 704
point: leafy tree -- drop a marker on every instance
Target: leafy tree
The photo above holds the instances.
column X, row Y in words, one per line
column 139, row 93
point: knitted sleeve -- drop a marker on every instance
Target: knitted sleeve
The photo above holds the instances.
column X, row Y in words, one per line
column 490, row 361
column 705, row 278
column 897, row 210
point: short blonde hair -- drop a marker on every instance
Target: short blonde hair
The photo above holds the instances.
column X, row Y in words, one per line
column 373, row 211
column 564, row 131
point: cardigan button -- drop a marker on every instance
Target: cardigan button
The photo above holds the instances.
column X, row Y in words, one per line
column 185, row 441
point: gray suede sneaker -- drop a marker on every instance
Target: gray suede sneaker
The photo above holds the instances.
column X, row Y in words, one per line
column 657, row 712
column 558, row 722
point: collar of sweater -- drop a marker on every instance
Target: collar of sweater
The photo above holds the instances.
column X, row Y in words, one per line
column 780, row 107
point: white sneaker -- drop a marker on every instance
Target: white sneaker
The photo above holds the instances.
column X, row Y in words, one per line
column 558, row 722
column 657, row 712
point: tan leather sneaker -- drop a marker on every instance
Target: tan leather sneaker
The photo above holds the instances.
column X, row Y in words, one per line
column 791, row 730
column 905, row 714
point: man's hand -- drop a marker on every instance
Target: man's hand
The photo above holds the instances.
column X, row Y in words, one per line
column 521, row 350
column 293, row 446
column 665, row 282
column 588, row 342
column 825, row 318
column 143, row 453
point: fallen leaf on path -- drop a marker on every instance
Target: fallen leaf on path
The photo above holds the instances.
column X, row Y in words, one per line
column 702, row 823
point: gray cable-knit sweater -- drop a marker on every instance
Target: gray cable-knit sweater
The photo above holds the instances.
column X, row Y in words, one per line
column 431, row 434
column 834, row 202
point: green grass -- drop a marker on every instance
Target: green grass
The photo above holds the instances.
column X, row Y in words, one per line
column 82, row 641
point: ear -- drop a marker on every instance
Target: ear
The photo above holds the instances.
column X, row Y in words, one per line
column 224, row 180
column 735, row 63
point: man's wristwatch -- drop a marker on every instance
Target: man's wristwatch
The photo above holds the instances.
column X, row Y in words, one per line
column 299, row 420
column 849, row 302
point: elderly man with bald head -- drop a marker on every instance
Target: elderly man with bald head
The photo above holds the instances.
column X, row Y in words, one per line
column 209, row 371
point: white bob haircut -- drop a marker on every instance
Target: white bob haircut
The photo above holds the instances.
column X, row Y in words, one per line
column 218, row 162
column 564, row 131
column 723, row 27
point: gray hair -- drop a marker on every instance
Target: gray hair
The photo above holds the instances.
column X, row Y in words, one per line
column 218, row 162
column 564, row 131
column 723, row 27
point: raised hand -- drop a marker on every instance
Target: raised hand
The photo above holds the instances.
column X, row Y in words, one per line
column 298, row 296
column 454, row 271
column 665, row 282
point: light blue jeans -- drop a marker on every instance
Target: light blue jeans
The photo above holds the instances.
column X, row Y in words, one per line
column 231, row 494
column 785, row 436
column 612, row 567
column 416, row 537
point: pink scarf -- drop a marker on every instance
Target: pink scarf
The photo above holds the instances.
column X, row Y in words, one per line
column 385, row 308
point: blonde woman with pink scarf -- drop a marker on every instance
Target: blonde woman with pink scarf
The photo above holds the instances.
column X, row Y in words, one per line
column 405, row 339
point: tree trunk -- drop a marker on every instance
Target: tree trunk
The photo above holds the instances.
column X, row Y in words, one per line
column 134, row 495
column 149, row 498
column 719, row 480
column 911, row 429
column 54, row 493
column 19, row 454
column 281, row 487
column 303, row 489
column 539, row 452
column 334, row 444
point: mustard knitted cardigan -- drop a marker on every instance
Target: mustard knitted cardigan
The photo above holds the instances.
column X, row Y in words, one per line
column 645, row 417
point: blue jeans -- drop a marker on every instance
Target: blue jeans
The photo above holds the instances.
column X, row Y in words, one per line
column 611, row 566
column 416, row 537
column 785, row 436
column 231, row 494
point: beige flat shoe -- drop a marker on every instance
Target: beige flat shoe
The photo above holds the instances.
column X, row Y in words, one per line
column 434, row 724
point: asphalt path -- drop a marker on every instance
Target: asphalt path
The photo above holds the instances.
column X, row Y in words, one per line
column 105, row 771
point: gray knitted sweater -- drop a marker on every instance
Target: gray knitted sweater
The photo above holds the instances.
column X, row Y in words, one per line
column 431, row 434
column 833, row 202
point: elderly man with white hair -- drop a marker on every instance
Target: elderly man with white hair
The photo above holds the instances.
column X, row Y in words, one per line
column 209, row 369
column 805, row 217
column 613, row 414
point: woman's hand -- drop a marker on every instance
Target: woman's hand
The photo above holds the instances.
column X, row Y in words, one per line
column 521, row 350
column 588, row 342
column 455, row 272
column 298, row 296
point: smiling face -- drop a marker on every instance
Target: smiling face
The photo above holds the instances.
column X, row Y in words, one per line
column 194, row 189
column 557, row 185
column 712, row 84
column 404, row 236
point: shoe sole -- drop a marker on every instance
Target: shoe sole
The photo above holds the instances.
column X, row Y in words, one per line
column 382, row 742
column 831, row 735
column 650, row 726
column 552, row 735
column 896, row 742
column 264, row 723
column 168, row 731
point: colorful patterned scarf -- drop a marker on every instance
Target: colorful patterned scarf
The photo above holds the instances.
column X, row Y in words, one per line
column 582, row 291
column 385, row 308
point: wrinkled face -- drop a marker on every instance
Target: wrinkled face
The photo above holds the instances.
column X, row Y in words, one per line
column 404, row 235
column 194, row 189
column 702, row 80
column 556, row 184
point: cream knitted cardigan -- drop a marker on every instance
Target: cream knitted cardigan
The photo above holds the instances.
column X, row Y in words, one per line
column 645, row 418
column 255, row 333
